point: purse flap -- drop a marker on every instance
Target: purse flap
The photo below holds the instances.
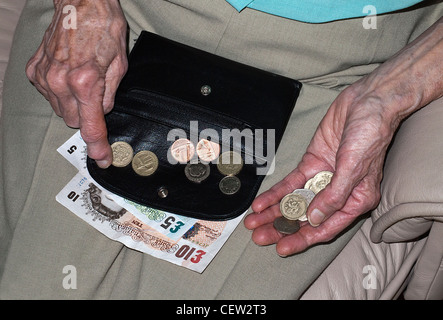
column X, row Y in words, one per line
column 259, row 98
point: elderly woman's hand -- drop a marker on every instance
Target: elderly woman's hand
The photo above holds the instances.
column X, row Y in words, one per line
column 351, row 141
column 78, row 70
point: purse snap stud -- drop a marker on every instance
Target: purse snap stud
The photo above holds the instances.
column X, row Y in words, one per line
column 162, row 192
column 205, row 90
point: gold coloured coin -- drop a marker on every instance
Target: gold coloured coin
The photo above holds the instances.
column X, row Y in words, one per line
column 230, row 163
column 293, row 206
column 320, row 181
column 230, row 185
column 182, row 150
column 122, row 154
column 145, row 163
column 208, row 150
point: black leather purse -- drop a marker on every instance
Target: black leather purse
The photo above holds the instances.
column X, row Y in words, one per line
column 172, row 88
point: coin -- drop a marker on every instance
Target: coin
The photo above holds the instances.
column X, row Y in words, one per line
column 208, row 150
column 309, row 195
column 145, row 163
column 230, row 163
column 230, row 185
column 286, row 226
column 308, row 184
column 122, row 154
column 197, row 172
column 293, row 206
column 319, row 181
column 182, row 150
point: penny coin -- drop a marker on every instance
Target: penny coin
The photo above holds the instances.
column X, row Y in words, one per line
column 197, row 172
column 145, row 163
column 320, row 181
column 182, row 150
column 122, row 154
column 230, row 185
column 208, row 150
column 286, row 226
column 293, row 206
column 230, row 163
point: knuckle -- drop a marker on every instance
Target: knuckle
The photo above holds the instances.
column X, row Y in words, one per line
column 336, row 199
column 84, row 78
column 30, row 72
column 56, row 79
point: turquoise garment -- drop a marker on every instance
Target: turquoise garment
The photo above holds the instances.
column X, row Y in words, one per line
column 317, row 11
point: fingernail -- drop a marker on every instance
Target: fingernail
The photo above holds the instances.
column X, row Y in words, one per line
column 316, row 217
column 103, row 164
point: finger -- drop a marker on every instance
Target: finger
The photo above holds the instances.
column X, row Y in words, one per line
column 32, row 63
column 69, row 111
column 266, row 235
column 255, row 220
column 37, row 79
column 43, row 86
column 114, row 74
column 308, row 235
column 272, row 196
column 88, row 88
column 94, row 133
column 57, row 81
column 331, row 199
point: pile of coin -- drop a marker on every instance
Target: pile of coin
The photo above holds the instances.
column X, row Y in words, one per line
column 230, row 164
column 145, row 163
column 293, row 206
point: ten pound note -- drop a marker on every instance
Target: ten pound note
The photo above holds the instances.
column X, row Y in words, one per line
column 187, row 242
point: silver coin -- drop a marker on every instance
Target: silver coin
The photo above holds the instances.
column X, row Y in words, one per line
column 230, row 185
column 308, row 194
column 197, row 172
column 303, row 218
column 286, row 226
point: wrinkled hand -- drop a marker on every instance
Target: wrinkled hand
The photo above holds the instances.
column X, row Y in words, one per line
column 78, row 70
column 351, row 141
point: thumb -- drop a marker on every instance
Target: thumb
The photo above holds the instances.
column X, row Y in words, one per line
column 329, row 200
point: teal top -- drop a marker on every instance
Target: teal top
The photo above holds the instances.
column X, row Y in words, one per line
column 317, row 11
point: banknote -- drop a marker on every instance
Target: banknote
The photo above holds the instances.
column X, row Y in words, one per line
column 74, row 150
column 186, row 242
